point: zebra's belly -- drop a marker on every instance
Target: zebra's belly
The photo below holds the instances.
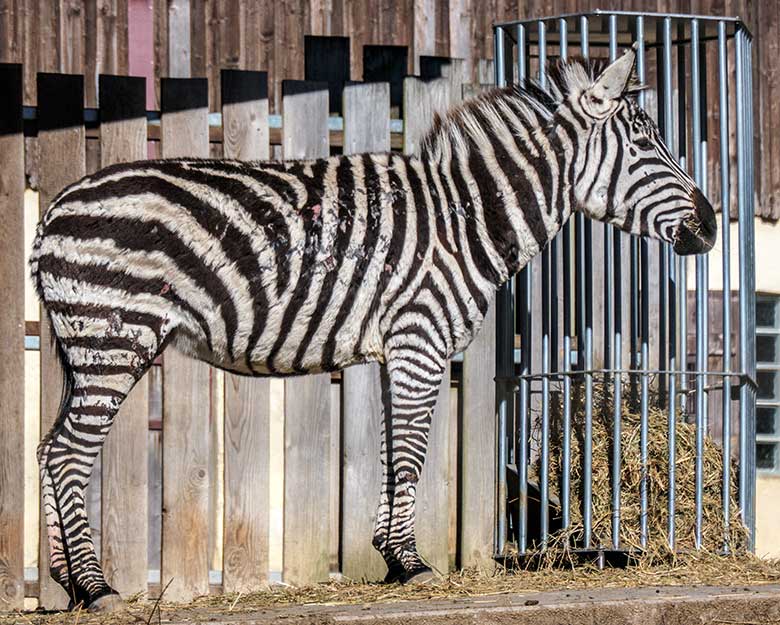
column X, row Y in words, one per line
column 328, row 348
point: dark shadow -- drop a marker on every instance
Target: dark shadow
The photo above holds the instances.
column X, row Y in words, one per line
column 121, row 98
column 60, row 101
column 326, row 59
column 11, row 99
column 239, row 86
column 302, row 87
column 387, row 64
column 432, row 67
column 183, row 94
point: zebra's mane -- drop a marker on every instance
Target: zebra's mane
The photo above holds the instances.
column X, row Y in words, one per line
column 534, row 104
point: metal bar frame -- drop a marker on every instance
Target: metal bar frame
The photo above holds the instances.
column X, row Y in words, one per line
column 573, row 249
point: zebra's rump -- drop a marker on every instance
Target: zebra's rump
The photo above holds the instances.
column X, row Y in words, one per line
column 257, row 268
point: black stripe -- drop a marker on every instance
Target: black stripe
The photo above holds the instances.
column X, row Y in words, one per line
column 479, row 256
column 370, row 238
column 345, row 183
column 397, row 239
column 617, row 168
column 147, row 236
column 450, row 280
column 121, row 280
column 312, row 219
column 458, row 253
column 262, row 212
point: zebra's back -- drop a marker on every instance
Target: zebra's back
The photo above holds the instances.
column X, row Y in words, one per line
column 260, row 268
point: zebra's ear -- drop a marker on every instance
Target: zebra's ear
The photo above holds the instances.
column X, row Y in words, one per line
column 616, row 78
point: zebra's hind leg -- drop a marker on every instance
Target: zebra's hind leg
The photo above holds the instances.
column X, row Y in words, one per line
column 100, row 367
column 414, row 389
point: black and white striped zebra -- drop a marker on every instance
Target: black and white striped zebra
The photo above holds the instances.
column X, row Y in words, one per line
column 310, row 266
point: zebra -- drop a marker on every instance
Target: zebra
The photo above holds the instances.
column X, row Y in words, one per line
column 289, row 268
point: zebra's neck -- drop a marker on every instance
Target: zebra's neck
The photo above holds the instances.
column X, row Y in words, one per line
column 505, row 172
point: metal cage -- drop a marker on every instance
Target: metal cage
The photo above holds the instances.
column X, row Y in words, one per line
column 602, row 309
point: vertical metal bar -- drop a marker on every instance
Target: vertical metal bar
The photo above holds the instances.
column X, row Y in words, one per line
column 544, row 495
column 682, row 261
column 567, row 302
column 634, row 361
column 616, row 350
column 746, row 282
column 725, row 204
column 504, row 353
column 751, row 278
column 672, row 407
column 701, row 291
column 524, row 284
column 586, row 267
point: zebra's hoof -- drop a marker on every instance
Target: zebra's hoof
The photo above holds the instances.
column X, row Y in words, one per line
column 395, row 574
column 420, row 576
column 107, row 603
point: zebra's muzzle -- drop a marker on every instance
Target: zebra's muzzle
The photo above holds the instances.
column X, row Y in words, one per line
column 697, row 233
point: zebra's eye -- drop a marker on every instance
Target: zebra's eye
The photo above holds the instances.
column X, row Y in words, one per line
column 643, row 143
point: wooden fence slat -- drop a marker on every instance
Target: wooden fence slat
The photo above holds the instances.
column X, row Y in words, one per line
column 179, row 39
column 307, row 400
column 433, row 490
column 61, row 137
column 422, row 100
column 12, row 272
column 366, row 129
column 247, row 400
column 186, row 381
column 125, row 480
column 478, row 448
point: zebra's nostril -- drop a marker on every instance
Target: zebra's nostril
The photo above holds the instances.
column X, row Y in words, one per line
column 697, row 233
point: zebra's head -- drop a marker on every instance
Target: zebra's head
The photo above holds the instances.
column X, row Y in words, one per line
column 624, row 173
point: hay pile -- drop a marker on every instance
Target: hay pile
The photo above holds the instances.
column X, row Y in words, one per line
column 631, row 477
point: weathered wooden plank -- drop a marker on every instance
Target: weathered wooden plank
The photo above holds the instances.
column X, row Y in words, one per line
column 461, row 16
column 179, row 64
column 160, row 55
column 433, row 493
column 72, row 31
column 12, row 272
column 247, row 400
column 366, row 129
column 327, row 59
column 185, row 388
column 445, row 67
column 245, row 114
column 423, row 100
column 60, row 134
column 424, row 33
column 386, row 64
column 307, row 410
column 124, row 480
column 11, row 31
column 478, row 448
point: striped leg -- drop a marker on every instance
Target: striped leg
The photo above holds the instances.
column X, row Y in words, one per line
column 100, row 371
column 395, row 570
column 414, row 389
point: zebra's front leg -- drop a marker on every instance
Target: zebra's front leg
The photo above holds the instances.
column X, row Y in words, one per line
column 414, row 389
column 395, row 570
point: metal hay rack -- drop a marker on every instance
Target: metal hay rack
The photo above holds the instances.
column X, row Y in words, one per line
column 600, row 312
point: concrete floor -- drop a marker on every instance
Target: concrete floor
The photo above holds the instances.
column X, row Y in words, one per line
column 752, row 605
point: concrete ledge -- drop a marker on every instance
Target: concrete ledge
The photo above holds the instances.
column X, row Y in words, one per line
column 751, row 605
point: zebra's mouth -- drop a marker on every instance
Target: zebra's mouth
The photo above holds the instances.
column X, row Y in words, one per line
column 697, row 233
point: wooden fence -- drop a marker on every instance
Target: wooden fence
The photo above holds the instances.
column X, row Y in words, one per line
column 218, row 431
